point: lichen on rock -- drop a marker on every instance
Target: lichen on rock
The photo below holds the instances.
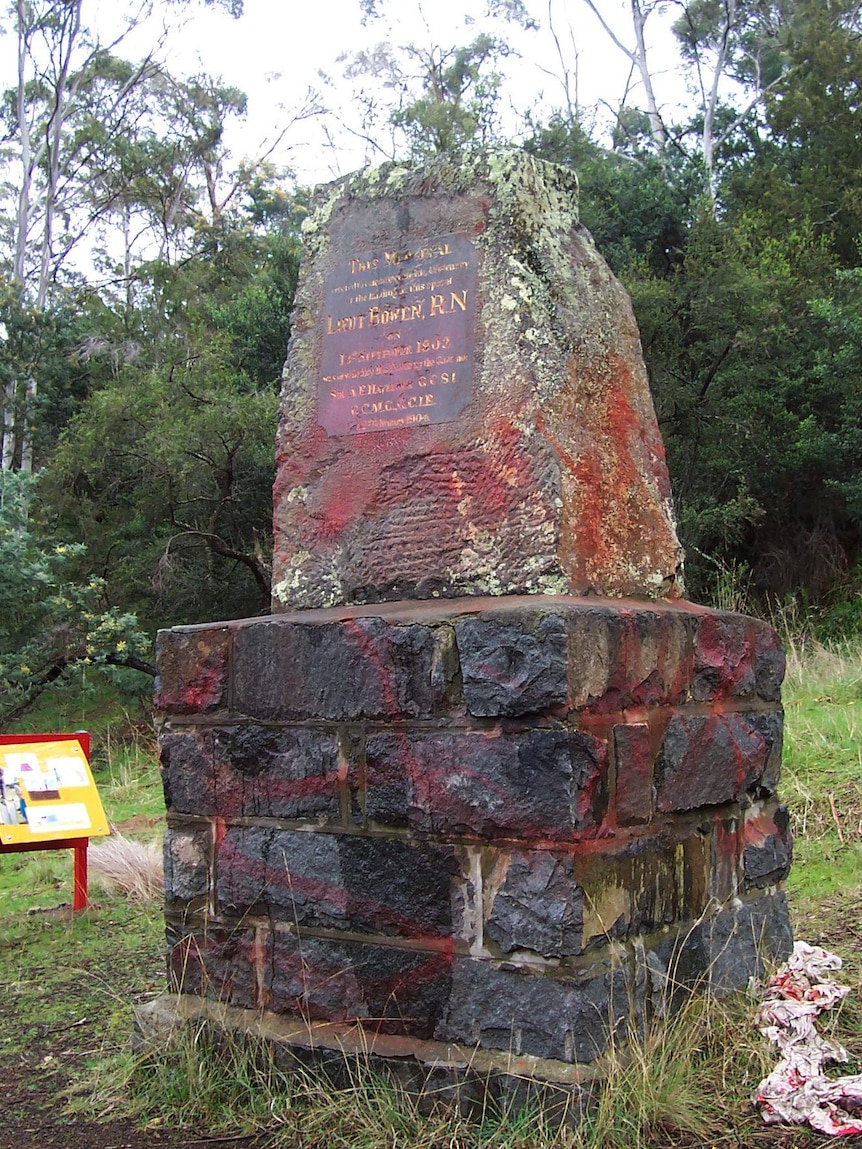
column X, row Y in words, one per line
column 549, row 473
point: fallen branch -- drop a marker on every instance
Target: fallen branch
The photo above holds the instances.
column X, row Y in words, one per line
column 66, row 1028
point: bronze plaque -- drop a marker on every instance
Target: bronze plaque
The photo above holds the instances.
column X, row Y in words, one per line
column 398, row 337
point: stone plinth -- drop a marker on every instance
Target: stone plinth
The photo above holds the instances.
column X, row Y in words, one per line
column 501, row 824
column 465, row 407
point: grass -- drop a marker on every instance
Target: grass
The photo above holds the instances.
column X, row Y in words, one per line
column 670, row 1092
column 128, row 867
column 823, row 787
column 687, row 1084
column 69, row 982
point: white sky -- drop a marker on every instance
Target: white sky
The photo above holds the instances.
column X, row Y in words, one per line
column 277, row 49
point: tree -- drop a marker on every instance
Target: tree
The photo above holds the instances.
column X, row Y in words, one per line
column 441, row 100
column 636, row 207
column 730, row 46
column 734, row 52
column 807, row 161
column 72, row 109
column 167, row 467
column 757, row 417
column 50, row 621
column 638, row 58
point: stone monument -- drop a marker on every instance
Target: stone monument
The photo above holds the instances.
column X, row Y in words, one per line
column 484, row 789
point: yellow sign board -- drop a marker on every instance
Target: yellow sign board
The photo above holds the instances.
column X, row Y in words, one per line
column 47, row 791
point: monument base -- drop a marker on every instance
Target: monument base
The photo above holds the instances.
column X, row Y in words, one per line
column 435, row 1074
column 514, row 827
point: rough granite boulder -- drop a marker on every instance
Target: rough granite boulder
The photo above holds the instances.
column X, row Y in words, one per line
column 465, row 407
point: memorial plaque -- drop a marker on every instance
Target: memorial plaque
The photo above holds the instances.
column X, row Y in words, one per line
column 397, row 339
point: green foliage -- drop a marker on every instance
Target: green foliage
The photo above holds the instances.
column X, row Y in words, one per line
column 49, row 621
column 807, row 162
column 732, row 354
column 455, row 109
column 749, row 32
column 635, row 205
column 832, row 442
column 41, row 343
column 168, row 470
column 443, row 100
column 748, row 320
column 167, row 467
column 154, row 386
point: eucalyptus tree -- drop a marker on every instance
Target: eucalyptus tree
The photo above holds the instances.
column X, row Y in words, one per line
column 417, row 97
column 73, row 105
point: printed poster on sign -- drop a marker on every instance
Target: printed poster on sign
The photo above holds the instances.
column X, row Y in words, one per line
column 47, row 792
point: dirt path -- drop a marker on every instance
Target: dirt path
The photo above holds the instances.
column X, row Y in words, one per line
column 63, row 986
column 36, row 1084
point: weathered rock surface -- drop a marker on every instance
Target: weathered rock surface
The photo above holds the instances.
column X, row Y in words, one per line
column 500, row 822
column 536, row 466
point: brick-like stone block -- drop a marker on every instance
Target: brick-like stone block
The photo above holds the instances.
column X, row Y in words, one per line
column 651, row 881
column 724, row 951
column 769, row 724
column 188, row 773
column 532, row 903
column 386, row 989
column 341, row 881
column 266, row 772
column 723, row 657
column 705, row 760
column 634, row 757
column 696, row 873
column 293, row 877
column 568, row 1018
column 188, row 865
column 742, row 941
column 622, row 657
column 216, row 963
column 767, row 846
column 736, row 657
column 513, row 666
column 770, row 663
column 301, row 814
column 360, row 668
column 192, row 670
column 540, row 784
column 726, row 848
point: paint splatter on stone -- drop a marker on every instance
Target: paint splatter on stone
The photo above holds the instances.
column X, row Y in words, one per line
column 551, row 477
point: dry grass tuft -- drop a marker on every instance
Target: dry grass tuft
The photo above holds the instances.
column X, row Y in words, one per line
column 131, row 868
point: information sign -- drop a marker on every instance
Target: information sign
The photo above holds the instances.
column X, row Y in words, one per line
column 47, row 791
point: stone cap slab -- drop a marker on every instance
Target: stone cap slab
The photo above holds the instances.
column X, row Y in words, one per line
column 510, row 657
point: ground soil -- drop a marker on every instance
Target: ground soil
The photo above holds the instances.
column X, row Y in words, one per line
column 36, row 1119
column 36, row 1076
column 35, row 1085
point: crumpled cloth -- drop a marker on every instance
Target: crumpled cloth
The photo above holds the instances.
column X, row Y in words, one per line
column 797, row 1090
